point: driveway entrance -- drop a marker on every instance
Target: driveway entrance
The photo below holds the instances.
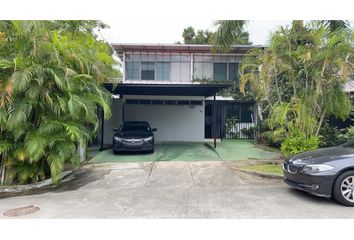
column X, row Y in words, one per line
column 171, row 189
column 227, row 150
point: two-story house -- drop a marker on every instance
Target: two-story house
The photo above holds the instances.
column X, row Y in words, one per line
column 174, row 88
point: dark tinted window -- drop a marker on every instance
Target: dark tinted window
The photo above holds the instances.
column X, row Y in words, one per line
column 170, row 102
column 145, row 101
column 196, row 102
column 131, row 101
column 220, row 71
column 147, row 70
column 233, row 68
column 131, row 127
column 157, row 102
column 183, row 102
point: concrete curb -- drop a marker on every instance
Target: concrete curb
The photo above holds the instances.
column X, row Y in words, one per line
column 259, row 174
column 22, row 188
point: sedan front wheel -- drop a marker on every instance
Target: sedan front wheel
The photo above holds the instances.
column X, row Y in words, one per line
column 343, row 189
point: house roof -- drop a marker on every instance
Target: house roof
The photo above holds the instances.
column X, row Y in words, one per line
column 188, row 48
column 166, row 89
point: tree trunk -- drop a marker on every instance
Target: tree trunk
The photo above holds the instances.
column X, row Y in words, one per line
column 321, row 121
column 278, row 90
column 2, row 169
column 82, row 151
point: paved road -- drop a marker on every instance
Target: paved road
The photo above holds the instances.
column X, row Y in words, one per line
column 172, row 190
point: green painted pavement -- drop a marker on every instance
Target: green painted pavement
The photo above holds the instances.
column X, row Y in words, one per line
column 226, row 150
column 237, row 149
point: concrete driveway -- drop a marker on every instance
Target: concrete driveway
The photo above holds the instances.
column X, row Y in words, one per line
column 172, row 190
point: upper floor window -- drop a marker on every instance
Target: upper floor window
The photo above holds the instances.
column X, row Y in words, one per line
column 163, row 70
column 216, row 67
column 220, row 71
column 132, row 70
column 147, row 70
column 158, row 66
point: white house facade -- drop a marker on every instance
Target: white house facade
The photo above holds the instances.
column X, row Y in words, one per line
column 168, row 86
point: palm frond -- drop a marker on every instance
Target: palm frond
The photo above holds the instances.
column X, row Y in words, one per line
column 229, row 32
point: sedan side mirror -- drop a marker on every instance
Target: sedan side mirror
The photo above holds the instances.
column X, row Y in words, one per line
column 154, row 130
column 115, row 129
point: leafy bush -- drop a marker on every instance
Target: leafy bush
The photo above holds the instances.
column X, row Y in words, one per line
column 248, row 132
column 349, row 133
column 268, row 137
column 298, row 144
column 51, row 74
column 230, row 127
column 330, row 136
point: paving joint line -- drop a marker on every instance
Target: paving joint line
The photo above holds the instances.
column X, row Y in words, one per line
column 147, row 179
column 190, row 169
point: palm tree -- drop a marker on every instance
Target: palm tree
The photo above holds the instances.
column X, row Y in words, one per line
column 51, row 75
column 230, row 32
column 334, row 25
column 298, row 79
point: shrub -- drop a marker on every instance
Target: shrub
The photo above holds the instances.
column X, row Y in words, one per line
column 349, row 133
column 230, row 127
column 248, row 132
column 330, row 136
column 298, row 144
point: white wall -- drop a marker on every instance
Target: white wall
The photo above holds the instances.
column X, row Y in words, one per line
column 114, row 121
column 174, row 122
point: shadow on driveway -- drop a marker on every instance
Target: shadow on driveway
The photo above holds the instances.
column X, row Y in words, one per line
column 76, row 180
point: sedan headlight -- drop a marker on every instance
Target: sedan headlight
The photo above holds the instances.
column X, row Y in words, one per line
column 148, row 139
column 118, row 139
column 316, row 168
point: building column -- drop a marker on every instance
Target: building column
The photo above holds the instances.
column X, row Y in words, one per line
column 122, row 108
column 214, row 120
column 102, row 128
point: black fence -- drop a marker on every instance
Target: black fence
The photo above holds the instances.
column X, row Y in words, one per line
column 243, row 130
column 234, row 120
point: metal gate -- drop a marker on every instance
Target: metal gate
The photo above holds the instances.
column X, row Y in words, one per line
column 234, row 120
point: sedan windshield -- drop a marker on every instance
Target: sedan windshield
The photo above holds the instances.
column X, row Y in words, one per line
column 349, row 143
column 135, row 127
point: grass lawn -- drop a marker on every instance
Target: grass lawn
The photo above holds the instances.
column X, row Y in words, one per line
column 275, row 169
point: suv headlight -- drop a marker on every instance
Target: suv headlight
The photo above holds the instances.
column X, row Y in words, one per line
column 148, row 139
column 118, row 139
column 316, row 168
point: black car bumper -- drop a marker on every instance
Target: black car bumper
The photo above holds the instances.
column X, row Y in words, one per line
column 120, row 147
column 319, row 184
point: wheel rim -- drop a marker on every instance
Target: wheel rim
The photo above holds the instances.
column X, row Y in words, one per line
column 347, row 188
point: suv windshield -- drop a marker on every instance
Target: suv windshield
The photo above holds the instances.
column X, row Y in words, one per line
column 134, row 127
column 349, row 143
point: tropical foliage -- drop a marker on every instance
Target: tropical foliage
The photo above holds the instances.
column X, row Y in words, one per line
column 50, row 75
column 298, row 80
column 230, row 32
column 200, row 37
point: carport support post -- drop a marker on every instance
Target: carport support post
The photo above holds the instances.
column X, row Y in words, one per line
column 102, row 127
column 214, row 120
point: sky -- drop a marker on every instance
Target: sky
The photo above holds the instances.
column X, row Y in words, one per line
column 170, row 31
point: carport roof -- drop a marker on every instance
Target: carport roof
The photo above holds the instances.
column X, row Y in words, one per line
column 205, row 90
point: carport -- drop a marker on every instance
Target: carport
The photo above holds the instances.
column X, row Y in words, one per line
column 173, row 106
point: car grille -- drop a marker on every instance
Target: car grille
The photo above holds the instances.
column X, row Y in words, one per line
column 133, row 141
column 291, row 168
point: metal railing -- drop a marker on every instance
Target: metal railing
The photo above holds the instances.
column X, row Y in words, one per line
column 242, row 130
